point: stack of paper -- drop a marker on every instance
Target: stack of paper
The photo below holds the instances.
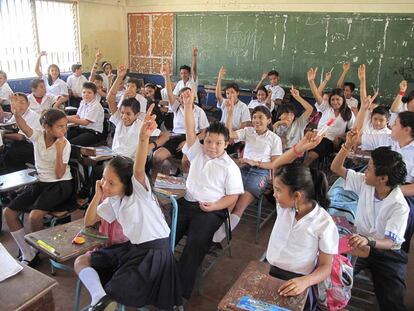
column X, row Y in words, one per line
column 169, row 182
column 9, row 265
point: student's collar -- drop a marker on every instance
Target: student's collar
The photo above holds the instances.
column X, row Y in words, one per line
column 223, row 156
column 263, row 134
column 410, row 144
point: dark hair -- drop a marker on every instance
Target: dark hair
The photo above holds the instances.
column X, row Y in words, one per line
column 137, row 82
column 262, row 109
column 311, row 182
column 22, row 95
column 406, row 99
column 99, row 78
column 185, row 88
column 351, row 85
column 51, row 116
column 90, row 86
column 382, row 111
column 286, row 108
column 49, row 77
column 345, row 112
column 273, row 73
column 151, row 85
column 133, row 103
column 262, row 88
column 391, row 164
column 219, row 128
column 76, row 67
column 35, row 82
column 124, row 168
column 185, row 67
column 105, row 63
column 407, row 120
column 232, row 85
column 4, row 74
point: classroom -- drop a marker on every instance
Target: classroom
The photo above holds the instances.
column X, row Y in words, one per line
column 208, row 155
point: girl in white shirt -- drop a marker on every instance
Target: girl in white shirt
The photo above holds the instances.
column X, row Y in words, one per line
column 40, row 100
column 55, row 187
column 264, row 98
column 304, row 238
column 401, row 102
column 5, row 91
column 142, row 270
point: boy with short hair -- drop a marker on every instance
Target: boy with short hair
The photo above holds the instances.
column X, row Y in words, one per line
column 188, row 76
column 39, row 100
column 277, row 91
column 349, row 88
column 5, row 91
column 75, row 84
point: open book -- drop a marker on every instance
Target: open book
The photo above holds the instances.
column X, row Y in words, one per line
column 169, row 182
column 9, row 265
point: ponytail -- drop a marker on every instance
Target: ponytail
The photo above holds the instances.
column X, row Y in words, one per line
column 321, row 186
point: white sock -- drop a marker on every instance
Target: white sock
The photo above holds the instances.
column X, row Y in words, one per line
column 221, row 232
column 27, row 252
column 90, row 279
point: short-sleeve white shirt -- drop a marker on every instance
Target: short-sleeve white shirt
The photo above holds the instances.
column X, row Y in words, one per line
column 294, row 245
column 277, row 91
column 142, row 102
column 47, row 102
column 211, row 179
column 240, row 113
column 76, row 84
column 352, row 102
column 126, row 138
column 58, row 88
column 200, row 118
column 93, row 112
column 5, row 92
column 394, row 115
column 181, row 84
column 254, row 103
column 32, row 119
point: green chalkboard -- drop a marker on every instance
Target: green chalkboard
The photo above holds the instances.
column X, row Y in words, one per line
column 248, row 44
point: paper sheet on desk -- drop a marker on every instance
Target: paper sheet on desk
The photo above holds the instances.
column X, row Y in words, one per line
column 9, row 265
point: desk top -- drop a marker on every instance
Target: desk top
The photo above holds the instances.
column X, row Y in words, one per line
column 20, row 290
column 17, row 179
column 60, row 238
column 256, row 282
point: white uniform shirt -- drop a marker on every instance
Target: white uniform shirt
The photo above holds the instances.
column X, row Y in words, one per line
column 105, row 83
column 294, row 246
column 240, row 113
column 211, row 179
column 339, row 126
column 47, row 102
column 254, row 103
column 277, row 91
column 378, row 218
column 76, row 84
column 352, row 102
column 139, row 214
column 373, row 141
column 142, row 102
column 200, row 118
column 295, row 132
column 32, row 119
column 5, row 92
column 259, row 147
column 58, row 88
column 93, row 112
column 45, row 158
column 394, row 115
column 181, row 84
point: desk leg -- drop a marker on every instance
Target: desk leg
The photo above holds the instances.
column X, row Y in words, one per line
column 45, row 303
column 56, row 265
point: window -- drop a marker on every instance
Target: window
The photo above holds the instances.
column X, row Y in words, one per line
column 30, row 26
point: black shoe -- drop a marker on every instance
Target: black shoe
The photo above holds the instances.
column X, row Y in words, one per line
column 106, row 303
column 34, row 263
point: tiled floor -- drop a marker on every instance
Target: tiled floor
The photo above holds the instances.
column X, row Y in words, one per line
column 215, row 284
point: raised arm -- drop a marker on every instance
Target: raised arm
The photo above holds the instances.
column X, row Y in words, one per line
column 194, row 64
column 337, row 165
column 111, row 99
column 189, row 122
column 148, row 126
column 98, row 57
column 21, row 123
column 220, row 76
column 325, row 81
column 362, row 82
column 395, row 107
column 229, row 119
column 345, row 69
column 37, row 64
column 312, row 84
column 361, row 116
column 264, row 76
column 60, row 167
column 91, row 216
column 165, row 71
column 308, row 107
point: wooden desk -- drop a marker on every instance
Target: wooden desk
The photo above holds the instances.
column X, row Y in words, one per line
column 60, row 238
column 28, row 290
column 256, row 282
column 17, row 179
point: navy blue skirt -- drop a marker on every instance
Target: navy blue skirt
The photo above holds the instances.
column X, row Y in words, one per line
column 136, row 275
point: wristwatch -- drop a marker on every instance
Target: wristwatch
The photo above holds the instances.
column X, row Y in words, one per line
column 371, row 241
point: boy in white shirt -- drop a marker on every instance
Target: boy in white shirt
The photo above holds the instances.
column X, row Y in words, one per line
column 348, row 88
column 381, row 220
column 5, row 91
column 75, row 84
column 277, row 91
column 20, row 151
column 401, row 102
column 185, row 72
column 133, row 87
column 213, row 186
column 90, row 118
column 39, row 100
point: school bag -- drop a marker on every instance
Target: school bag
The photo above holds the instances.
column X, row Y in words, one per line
column 334, row 293
column 343, row 202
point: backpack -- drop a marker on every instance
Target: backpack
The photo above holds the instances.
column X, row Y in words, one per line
column 335, row 291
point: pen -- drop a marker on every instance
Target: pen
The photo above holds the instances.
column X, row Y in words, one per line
column 47, row 247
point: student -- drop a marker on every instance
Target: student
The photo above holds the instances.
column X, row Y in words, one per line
column 107, row 71
column 401, row 102
column 142, row 270
column 5, row 91
column 55, row 186
column 173, row 147
column 214, row 184
column 277, row 91
column 304, row 238
column 54, row 85
column 381, row 220
column 241, row 114
column 185, row 73
column 263, row 98
column 348, row 88
column 40, row 100
column 262, row 148
column 289, row 128
column 75, row 84
column 335, row 108
column 20, row 150
column 89, row 117
column 100, row 92
column 133, row 87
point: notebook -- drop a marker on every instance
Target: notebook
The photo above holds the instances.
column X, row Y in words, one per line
column 9, row 266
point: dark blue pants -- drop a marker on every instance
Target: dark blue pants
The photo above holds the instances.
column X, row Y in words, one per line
column 410, row 225
column 388, row 269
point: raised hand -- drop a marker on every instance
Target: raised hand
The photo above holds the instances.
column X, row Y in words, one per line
column 42, row 53
column 346, row 66
column 149, row 124
column 312, row 74
column 195, row 51
column 122, row 71
column 351, row 139
column 328, row 75
column 308, row 142
column 98, row 55
column 264, row 75
column 222, row 72
column 403, row 86
column 361, row 72
column 165, row 70
column 294, row 92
